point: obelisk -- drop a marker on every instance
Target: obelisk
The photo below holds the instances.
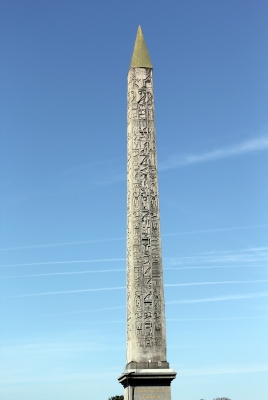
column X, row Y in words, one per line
column 147, row 373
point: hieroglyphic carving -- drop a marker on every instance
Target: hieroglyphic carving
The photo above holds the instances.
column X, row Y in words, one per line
column 145, row 303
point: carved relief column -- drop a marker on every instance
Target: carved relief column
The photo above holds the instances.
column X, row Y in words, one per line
column 146, row 331
column 146, row 327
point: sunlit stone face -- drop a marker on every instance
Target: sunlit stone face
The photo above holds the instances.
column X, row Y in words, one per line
column 146, row 336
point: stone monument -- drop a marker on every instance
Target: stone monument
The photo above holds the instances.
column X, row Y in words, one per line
column 147, row 374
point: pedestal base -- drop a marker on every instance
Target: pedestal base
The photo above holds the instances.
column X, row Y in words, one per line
column 140, row 384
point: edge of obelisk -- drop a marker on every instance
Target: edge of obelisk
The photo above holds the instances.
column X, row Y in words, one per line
column 147, row 376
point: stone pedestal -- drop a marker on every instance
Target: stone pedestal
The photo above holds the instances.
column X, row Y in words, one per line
column 140, row 384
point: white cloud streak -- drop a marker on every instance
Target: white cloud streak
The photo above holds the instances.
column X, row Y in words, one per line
column 65, row 292
column 223, row 370
column 37, row 246
column 213, row 267
column 123, row 287
column 215, row 283
column 89, row 310
column 66, row 273
column 123, row 270
column 168, row 319
column 213, row 230
column 53, row 357
column 252, row 255
column 247, row 250
column 64, row 262
column 221, row 298
column 249, row 146
column 215, row 319
column 245, row 255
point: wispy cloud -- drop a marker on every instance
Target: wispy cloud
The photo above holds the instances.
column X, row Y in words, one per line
column 65, row 262
column 221, row 298
column 23, row 378
column 168, row 319
column 54, row 358
column 88, row 310
column 245, row 250
column 240, row 369
column 231, row 258
column 215, row 283
column 213, row 230
column 65, row 292
column 123, row 270
column 66, row 273
column 123, row 287
column 37, row 246
column 81, row 242
column 249, row 146
column 216, row 319
column 251, row 255
column 215, row 267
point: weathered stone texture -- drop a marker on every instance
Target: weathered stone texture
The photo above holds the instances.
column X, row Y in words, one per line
column 147, row 374
column 146, row 331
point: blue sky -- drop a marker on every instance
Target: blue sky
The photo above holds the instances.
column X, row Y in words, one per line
column 63, row 194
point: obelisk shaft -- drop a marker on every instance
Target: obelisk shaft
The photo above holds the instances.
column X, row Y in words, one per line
column 146, row 330
column 147, row 373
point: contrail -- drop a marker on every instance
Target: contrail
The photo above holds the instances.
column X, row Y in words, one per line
column 64, row 262
column 222, row 254
column 37, row 246
column 65, row 292
column 215, row 283
column 216, row 257
column 254, row 145
column 216, row 319
column 88, row 311
column 221, row 298
column 168, row 319
column 247, row 250
column 238, row 257
column 223, row 370
column 215, row 230
column 66, row 273
column 124, row 270
column 123, row 287
column 215, row 267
